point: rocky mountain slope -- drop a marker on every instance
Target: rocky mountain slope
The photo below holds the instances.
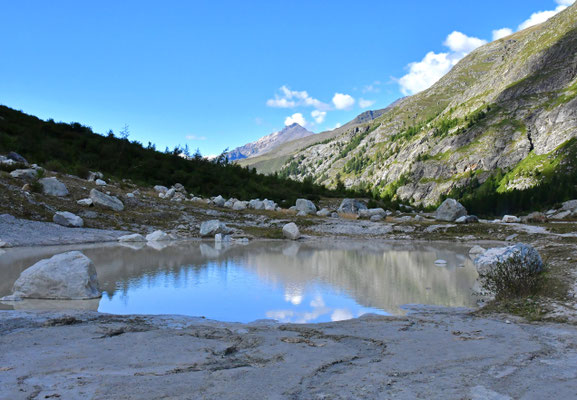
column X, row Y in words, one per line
column 269, row 142
column 501, row 120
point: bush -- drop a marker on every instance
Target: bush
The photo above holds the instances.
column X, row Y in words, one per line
column 513, row 278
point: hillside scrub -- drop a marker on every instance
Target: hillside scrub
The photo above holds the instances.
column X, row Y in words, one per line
column 76, row 149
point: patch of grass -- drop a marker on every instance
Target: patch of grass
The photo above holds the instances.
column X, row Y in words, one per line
column 263, row 233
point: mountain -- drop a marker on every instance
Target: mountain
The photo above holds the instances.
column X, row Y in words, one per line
column 269, row 142
column 501, row 124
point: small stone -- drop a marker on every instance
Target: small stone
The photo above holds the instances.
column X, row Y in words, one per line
column 68, row 219
column 85, row 202
column 212, row 227
column 510, row 219
column 440, row 262
column 100, row 182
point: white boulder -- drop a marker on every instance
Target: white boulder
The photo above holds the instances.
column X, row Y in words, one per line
column 26, row 174
column 325, row 212
column 305, row 206
column 66, row 218
column 510, row 219
column 519, row 253
column 157, row 236
column 370, row 212
column 85, row 202
column 256, row 204
column 53, row 187
column 219, row 201
column 351, row 206
column 212, row 227
column 66, row 276
column 100, row 182
column 135, row 237
column 106, row 201
column 450, row 210
column 291, row 231
column 239, row 205
column 160, row 189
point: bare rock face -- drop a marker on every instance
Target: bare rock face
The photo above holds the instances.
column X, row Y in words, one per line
column 450, row 211
column 66, row 276
column 106, row 201
column 68, row 219
column 291, row 231
column 53, row 187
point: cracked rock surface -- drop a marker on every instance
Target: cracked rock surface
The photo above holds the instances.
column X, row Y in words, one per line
column 433, row 353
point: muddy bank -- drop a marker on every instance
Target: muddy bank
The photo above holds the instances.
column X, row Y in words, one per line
column 438, row 354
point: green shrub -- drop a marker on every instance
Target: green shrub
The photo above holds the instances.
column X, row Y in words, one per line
column 513, row 278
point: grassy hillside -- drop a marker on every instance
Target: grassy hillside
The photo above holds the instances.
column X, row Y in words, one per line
column 75, row 149
column 497, row 131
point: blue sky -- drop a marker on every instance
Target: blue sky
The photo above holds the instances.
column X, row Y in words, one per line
column 218, row 74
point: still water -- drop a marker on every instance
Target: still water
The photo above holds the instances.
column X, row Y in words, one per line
column 289, row 282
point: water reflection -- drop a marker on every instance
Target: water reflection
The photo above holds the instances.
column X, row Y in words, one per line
column 290, row 282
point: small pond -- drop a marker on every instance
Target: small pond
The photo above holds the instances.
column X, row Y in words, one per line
column 286, row 281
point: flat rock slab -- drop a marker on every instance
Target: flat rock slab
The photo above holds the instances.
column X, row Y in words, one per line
column 431, row 355
column 21, row 232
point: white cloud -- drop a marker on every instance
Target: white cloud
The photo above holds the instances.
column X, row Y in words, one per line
column 372, row 88
column 423, row 74
column 460, row 43
column 343, row 101
column 501, row 33
column 365, row 103
column 542, row 16
column 287, row 98
column 319, row 116
column 341, row 314
column 194, row 137
column 297, row 118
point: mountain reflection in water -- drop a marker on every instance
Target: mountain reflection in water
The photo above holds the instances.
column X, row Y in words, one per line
column 289, row 282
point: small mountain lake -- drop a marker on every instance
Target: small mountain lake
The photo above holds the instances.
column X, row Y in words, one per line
column 286, row 281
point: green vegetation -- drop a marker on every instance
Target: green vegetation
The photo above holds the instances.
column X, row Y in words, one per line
column 513, row 278
column 74, row 148
column 356, row 140
column 557, row 175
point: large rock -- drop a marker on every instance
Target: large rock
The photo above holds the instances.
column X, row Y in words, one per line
column 518, row 253
column 256, row 204
column 66, row 276
column 325, row 212
column 16, row 158
column 106, row 201
column 305, row 206
column 26, row 174
column 219, row 201
column 291, row 231
column 510, row 219
column 570, row 205
column 100, row 182
column 135, row 237
column 370, row 212
column 53, row 187
column 93, row 176
column 269, row 205
column 535, row 217
column 66, row 218
column 170, row 193
column 239, row 205
column 157, row 236
column 160, row 189
column 450, row 210
column 212, row 227
column 351, row 206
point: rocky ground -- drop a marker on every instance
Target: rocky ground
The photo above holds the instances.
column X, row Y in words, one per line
column 481, row 354
column 431, row 354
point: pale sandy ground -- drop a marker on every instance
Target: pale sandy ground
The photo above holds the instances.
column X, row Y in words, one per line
column 433, row 354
